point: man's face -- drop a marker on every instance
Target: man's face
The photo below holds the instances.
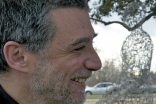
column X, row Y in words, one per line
column 61, row 72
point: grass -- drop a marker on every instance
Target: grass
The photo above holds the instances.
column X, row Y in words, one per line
column 100, row 96
column 93, row 96
column 90, row 102
column 95, row 102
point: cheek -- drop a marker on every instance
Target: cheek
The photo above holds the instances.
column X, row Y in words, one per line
column 74, row 64
column 68, row 66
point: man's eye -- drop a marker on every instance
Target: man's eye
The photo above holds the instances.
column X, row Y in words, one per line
column 80, row 48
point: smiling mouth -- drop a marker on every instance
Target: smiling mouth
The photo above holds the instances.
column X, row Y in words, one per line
column 79, row 80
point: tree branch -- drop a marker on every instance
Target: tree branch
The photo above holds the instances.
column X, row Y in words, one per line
column 126, row 26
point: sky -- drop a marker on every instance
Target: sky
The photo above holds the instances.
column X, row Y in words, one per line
column 110, row 38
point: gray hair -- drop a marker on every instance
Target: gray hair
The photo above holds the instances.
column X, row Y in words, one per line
column 28, row 23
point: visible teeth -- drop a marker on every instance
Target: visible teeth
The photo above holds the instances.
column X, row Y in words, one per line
column 80, row 80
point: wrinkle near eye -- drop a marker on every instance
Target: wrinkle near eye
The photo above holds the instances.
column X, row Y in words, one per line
column 80, row 48
column 67, row 52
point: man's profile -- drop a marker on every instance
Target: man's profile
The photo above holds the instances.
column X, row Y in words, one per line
column 46, row 51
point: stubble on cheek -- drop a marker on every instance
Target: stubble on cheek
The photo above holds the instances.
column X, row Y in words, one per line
column 76, row 96
column 48, row 83
column 52, row 84
column 77, row 93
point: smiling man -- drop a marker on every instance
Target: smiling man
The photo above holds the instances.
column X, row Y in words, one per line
column 46, row 51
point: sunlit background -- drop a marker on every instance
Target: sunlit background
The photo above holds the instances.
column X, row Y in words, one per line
column 110, row 38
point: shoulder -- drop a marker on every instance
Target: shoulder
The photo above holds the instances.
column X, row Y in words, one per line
column 5, row 98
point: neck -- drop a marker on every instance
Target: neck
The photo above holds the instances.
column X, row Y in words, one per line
column 15, row 84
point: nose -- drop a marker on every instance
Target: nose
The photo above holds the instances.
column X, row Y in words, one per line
column 93, row 61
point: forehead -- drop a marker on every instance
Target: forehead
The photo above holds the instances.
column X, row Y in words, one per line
column 67, row 16
column 72, row 23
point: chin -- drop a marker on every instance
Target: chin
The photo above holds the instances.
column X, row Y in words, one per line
column 77, row 98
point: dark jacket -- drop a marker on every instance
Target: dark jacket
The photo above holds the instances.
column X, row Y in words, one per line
column 5, row 98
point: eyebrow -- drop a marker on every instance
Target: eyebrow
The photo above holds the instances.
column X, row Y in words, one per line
column 82, row 40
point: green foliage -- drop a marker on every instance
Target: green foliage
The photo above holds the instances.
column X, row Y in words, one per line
column 109, row 6
column 105, row 8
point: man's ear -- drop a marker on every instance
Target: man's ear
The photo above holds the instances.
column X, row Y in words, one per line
column 14, row 55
